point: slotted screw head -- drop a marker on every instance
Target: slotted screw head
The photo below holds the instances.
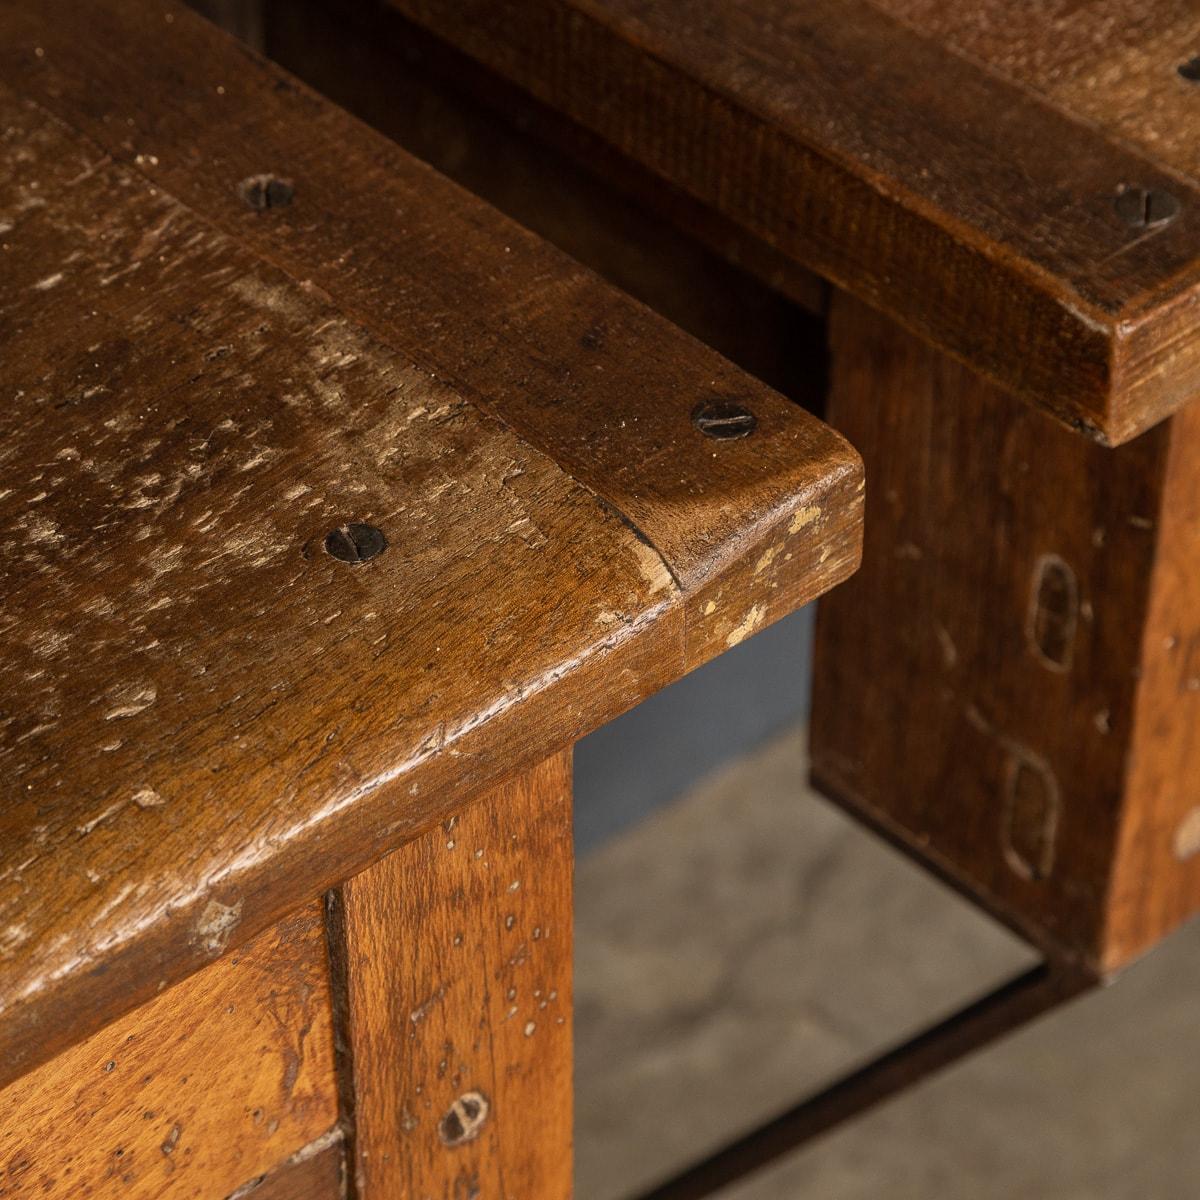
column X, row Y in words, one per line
column 266, row 191
column 1145, row 208
column 723, row 419
column 355, row 542
column 1190, row 70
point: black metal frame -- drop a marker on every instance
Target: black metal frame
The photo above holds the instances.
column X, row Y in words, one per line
column 1013, row 1004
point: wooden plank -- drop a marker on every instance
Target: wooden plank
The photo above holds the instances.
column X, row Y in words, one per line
column 201, row 1088
column 573, row 367
column 970, row 208
column 1116, row 65
column 202, row 391
column 1156, row 870
column 441, row 108
column 556, row 178
column 457, row 961
column 1009, row 686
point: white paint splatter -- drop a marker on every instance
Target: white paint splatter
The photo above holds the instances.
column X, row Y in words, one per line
column 216, row 923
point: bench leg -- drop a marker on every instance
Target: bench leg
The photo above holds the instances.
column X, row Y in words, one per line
column 1011, row 684
column 452, row 958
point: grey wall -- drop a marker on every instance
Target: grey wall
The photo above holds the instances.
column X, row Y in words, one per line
column 644, row 759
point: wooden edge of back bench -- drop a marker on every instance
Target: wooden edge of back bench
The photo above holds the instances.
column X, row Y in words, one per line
column 216, row 718
column 975, row 212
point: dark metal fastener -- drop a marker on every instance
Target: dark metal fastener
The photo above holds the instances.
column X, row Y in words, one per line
column 266, row 191
column 723, row 419
column 355, row 543
column 1146, row 208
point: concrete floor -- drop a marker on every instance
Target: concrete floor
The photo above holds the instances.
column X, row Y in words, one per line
column 748, row 942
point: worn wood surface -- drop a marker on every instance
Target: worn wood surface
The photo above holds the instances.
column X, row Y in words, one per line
column 1156, row 870
column 207, row 718
column 488, row 308
column 1116, row 65
column 528, row 164
column 314, row 1172
column 683, row 258
column 1011, row 684
column 975, row 203
column 456, row 954
column 199, row 1090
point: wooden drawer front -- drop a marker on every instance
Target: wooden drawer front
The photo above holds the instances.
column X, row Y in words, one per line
column 207, row 1086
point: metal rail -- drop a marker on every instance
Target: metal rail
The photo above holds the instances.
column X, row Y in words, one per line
column 987, row 1019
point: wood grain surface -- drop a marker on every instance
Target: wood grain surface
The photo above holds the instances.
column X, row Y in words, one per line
column 1116, row 65
column 600, row 208
column 1156, row 868
column 201, row 1089
column 974, row 201
column 495, row 312
column 314, row 1172
column 550, row 174
column 456, row 953
column 1010, row 686
column 207, row 718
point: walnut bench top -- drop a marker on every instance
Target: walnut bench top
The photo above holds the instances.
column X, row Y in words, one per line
column 1017, row 180
column 238, row 326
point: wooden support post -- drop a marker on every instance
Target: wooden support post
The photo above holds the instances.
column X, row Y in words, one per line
column 1011, row 684
column 454, row 957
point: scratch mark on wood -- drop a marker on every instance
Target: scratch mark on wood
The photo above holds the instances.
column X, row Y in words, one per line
column 802, row 517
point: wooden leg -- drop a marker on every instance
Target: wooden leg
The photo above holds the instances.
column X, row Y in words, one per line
column 454, row 957
column 1011, row 684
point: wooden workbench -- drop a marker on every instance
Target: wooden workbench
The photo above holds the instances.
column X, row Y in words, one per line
column 335, row 507
column 1007, row 198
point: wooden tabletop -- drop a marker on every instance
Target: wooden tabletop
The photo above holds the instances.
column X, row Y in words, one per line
column 1015, row 179
column 329, row 496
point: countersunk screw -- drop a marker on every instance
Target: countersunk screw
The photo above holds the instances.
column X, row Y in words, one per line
column 355, row 543
column 1146, row 208
column 464, row 1120
column 266, row 191
column 723, row 419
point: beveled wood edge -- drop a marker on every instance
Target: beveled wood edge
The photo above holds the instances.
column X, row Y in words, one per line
column 128, row 973
column 33, row 1031
column 314, row 1172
